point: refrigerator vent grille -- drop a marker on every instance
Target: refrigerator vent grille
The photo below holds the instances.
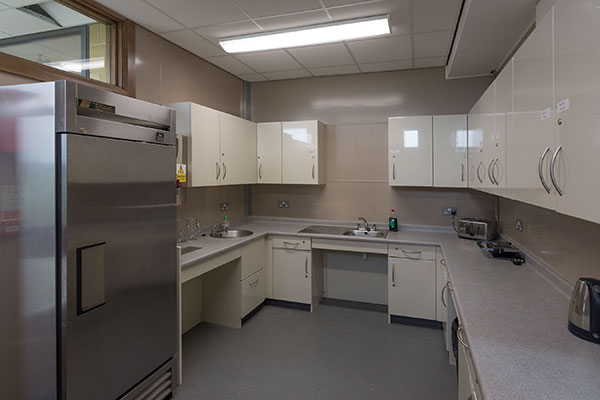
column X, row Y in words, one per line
column 160, row 389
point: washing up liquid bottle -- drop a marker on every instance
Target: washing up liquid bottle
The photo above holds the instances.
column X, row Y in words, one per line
column 393, row 221
column 225, row 225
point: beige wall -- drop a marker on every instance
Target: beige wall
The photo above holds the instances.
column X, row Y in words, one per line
column 568, row 245
column 11, row 79
column 166, row 73
column 356, row 108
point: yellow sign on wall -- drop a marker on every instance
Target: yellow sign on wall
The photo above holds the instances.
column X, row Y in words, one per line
column 181, row 173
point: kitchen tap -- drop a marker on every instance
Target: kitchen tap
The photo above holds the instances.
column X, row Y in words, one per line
column 364, row 221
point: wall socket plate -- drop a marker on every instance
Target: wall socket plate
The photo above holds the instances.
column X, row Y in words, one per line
column 448, row 211
column 519, row 225
column 224, row 206
column 283, row 204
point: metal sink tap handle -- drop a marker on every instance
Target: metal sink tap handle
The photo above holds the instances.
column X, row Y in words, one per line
column 363, row 219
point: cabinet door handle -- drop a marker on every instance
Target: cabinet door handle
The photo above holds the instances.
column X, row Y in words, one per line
column 478, row 168
column 541, row 170
column 218, row 170
column 260, row 171
column 462, row 172
column 459, row 333
column 393, row 171
column 443, row 262
column 306, row 267
column 393, row 275
column 553, row 171
column 443, row 290
column 494, row 171
column 224, row 171
column 254, row 283
column 313, row 171
column 490, row 172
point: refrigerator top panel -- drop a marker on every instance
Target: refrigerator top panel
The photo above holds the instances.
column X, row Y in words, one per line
column 90, row 111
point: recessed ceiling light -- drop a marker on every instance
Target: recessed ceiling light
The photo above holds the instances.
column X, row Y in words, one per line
column 309, row 35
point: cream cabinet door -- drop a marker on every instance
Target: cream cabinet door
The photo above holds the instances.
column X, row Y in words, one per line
column 502, row 167
column 488, row 151
column 410, row 151
column 476, row 168
column 577, row 65
column 292, row 275
column 301, row 155
column 268, row 152
column 412, row 288
column 450, row 167
column 204, row 166
column 534, row 141
column 238, row 150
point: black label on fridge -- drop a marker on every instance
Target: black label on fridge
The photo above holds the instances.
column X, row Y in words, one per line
column 94, row 105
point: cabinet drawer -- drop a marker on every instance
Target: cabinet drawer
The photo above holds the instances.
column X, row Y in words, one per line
column 411, row 251
column 291, row 243
column 253, row 292
column 253, row 257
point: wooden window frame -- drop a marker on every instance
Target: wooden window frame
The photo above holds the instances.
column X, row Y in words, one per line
column 122, row 48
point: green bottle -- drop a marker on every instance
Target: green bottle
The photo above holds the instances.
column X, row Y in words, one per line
column 393, row 221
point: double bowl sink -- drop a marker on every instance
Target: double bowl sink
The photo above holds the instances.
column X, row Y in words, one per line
column 342, row 231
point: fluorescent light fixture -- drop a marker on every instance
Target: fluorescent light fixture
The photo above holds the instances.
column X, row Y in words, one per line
column 309, row 35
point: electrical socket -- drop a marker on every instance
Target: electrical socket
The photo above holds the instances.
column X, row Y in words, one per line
column 224, row 206
column 448, row 211
column 283, row 204
column 519, row 225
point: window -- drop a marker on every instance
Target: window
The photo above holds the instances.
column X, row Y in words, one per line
column 63, row 39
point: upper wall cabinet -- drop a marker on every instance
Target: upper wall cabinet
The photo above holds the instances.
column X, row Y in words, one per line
column 534, row 141
column 222, row 147
column 268, row 152
column 575, row 162
column 503, row 166
column 482, row 141
column 450, row 167
column 303, row 152
column 238, row 150
column 410, row 151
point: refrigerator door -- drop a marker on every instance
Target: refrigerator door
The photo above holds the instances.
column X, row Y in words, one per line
column 118, row 263
column 27, row 243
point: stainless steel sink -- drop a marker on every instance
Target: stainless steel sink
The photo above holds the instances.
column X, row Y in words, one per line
column 189, row 249
column 365, row 233
column 231, row 234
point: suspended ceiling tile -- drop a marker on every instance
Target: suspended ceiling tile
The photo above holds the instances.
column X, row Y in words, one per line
column 386, row 66
column 15, row 23
column 293, row 20
column 340, row 70
column 216, row 32
column 65, row 16
column 330, row 3
column 398, row 11
column 21, row 3
column 430, row 62
column 194, row 14
column 263, row 8
column 322, row 56
column 230, row 64
column 432, row 44
column 300, row 73
column 252, row 77
column 143, row 14
column 269, row 61
column 194, row 43
column 381, row 49
column 435, row 15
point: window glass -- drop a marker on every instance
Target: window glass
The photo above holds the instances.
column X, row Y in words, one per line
column 52, row 34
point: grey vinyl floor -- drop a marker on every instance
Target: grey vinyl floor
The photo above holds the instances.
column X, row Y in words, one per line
column 332, row 353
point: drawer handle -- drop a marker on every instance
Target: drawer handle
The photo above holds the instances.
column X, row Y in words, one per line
column 459, row 336
column 295, row 244
column 411, row 252
column 443, row 262
column 254, row 283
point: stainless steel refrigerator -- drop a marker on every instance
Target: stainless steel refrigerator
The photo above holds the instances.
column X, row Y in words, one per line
column 87, row 244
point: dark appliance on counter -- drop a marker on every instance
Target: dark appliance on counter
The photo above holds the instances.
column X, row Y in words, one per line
column 584, row 311
column 476, row 229
column 502, row 249
column 88, row 272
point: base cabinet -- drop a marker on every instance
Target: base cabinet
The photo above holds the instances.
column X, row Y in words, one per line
column 412, row 288
column 292, row 275
column 253, row 292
